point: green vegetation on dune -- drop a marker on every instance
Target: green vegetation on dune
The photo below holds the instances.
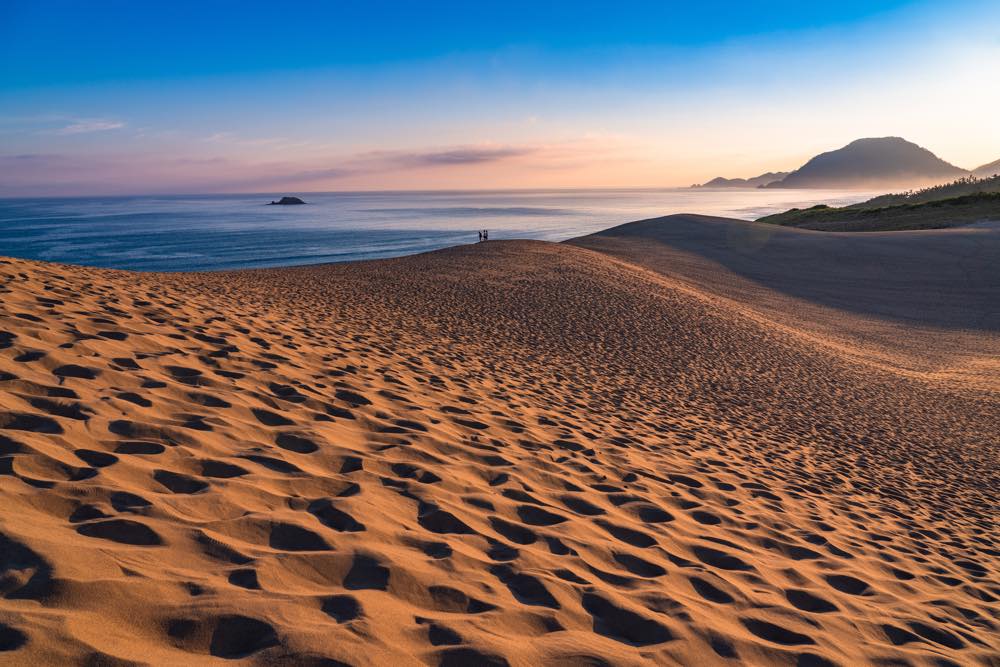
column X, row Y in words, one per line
column 969, row 185
column 961, row 202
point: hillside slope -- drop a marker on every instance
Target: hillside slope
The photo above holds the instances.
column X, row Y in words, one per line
column 964, row 201
column 938, row 214
column 987, row 170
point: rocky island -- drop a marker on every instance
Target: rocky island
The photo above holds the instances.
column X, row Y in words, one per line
column 287, row 201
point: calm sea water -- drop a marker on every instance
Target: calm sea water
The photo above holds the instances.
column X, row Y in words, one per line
column 209, row 232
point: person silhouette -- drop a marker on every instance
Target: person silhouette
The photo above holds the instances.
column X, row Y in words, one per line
column 486, row 235
column 480, row 236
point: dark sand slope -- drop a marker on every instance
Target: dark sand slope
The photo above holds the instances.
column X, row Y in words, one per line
column 509, row 453
column 923, row 300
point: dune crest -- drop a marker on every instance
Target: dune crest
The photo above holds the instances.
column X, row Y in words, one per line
column 512, row 453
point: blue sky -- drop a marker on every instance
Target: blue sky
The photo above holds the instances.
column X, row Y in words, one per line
column 83, row 42
column 109, row 97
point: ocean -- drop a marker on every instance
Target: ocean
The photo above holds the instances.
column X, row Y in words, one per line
column 214, row 232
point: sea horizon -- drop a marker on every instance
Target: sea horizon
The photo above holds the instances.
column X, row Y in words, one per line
column 301, row 193
column 224, row 231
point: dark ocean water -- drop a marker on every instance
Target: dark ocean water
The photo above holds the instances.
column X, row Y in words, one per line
column 210, row 232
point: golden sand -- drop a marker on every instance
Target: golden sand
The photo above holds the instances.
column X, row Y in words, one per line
column 508, row 453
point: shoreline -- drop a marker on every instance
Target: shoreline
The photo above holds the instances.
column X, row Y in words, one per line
column 981, row 224
column 229, row 232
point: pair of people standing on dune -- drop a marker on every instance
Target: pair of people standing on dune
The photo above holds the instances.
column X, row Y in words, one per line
column 484, row 235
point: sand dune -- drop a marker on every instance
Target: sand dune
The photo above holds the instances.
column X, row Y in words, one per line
column 509, row 453
column 926, row 301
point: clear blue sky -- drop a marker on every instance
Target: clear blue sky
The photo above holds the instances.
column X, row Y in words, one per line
column 141, row 96
column 47, row 42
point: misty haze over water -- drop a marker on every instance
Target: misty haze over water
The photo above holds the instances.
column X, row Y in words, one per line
column 211, row 232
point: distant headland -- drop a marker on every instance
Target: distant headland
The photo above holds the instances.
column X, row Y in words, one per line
column 881, row 162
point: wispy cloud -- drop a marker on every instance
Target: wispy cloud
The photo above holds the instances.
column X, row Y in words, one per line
column 378, row 162
column 86, row 125
column 319, row 174
column 219, row 137
column 57, row 124
column 460, row 156
column 233, row 139
column 39, row 173
column 29, row 157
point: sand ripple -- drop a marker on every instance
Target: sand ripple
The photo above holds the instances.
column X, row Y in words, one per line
column 514, row 453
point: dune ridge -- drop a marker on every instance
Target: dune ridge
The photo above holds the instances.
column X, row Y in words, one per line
column 509, row 453
column 923, row 303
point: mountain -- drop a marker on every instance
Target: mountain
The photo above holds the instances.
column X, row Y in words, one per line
column 874, row 162
column 755, row 182
column 987, row 170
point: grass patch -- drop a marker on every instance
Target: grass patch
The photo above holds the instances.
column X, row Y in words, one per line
column 962, row 202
